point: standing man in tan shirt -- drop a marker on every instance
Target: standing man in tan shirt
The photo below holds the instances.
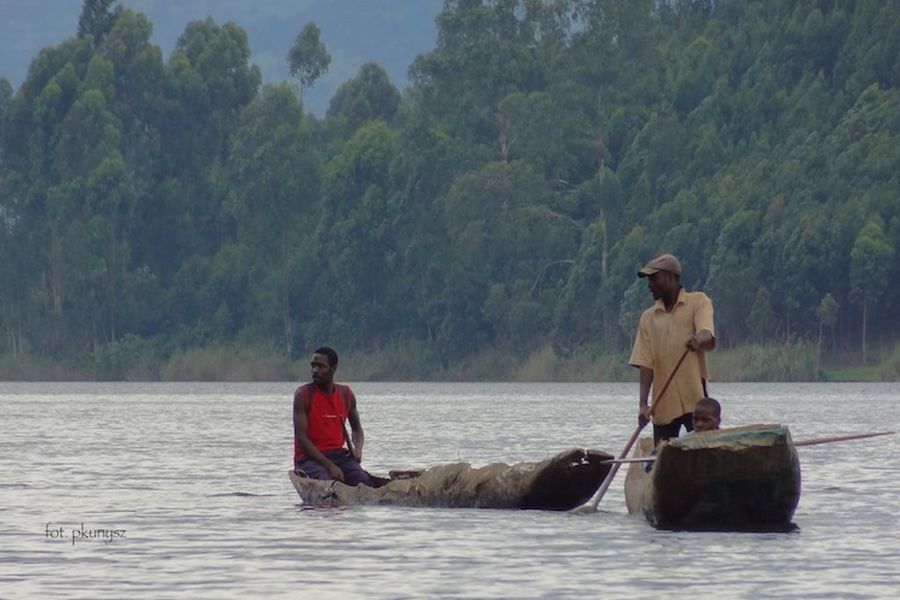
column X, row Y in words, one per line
column 677, row 320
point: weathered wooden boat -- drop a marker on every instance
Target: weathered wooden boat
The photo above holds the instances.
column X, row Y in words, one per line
column 561, row 482
column 736, row 479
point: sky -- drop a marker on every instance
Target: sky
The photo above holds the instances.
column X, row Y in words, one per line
column 389, row 32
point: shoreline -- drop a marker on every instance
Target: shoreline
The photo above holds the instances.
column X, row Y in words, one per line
column 766, row 363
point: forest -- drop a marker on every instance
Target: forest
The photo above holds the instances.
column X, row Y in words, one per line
column 174, row 218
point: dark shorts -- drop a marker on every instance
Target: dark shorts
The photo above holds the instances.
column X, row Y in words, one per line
column 670, row 430
column 354, row 474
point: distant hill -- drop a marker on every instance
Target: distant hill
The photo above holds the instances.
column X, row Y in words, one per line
column 389, row 32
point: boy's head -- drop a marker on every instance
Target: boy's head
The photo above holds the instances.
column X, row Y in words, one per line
column 707, row 414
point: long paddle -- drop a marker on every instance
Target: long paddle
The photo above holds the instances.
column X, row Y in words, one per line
column 591, row 505
column 813, row 442
column 842, row 438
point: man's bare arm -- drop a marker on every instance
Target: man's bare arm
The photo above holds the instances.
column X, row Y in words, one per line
column 357, row 436
column 644, row 395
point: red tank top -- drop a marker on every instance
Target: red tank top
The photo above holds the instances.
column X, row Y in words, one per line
column 325, row 417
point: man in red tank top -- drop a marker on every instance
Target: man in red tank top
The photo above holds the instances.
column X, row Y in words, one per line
column 322, row 448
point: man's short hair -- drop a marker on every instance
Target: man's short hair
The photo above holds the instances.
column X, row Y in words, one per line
column 713, row 405
column 330, row 353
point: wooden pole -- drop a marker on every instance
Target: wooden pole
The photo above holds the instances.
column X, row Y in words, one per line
column 591, row 505
column 633, row 459
column 813, row 442
column 842, row 438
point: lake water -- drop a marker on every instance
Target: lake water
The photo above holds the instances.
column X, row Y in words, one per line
column 188, row 483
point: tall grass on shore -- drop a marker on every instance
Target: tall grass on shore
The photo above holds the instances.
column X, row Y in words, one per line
column 890, row 366
column 228, row 363
column 586, row 364
column 29, row 367
column 413, row 361
column 140, row 360
column 793, row 361
column 416, row 362
column 796, row 361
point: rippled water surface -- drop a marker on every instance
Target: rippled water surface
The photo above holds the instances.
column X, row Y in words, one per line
column 185, row 489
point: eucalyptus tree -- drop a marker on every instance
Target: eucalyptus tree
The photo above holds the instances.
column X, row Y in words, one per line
column 496, row 219
column 274, row 176
column 729, row 279
column 827, row 311
column 870, row 264
column 308, row 59
column 356, row 243
column 367, row 97
column 208, row 81
column 97, row 18
column 6, row 95
column 761, row 322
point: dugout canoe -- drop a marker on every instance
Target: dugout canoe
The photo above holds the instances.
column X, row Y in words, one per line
column 736, row 479
column 560, row 482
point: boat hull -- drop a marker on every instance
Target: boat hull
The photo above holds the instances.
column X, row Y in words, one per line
column 561, row 482
column 738, row 479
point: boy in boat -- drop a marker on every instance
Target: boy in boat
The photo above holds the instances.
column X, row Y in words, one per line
column 707, row 414
column 678, row 322
column 322, row 448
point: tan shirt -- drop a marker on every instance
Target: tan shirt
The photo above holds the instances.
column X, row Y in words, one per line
column 659, row 345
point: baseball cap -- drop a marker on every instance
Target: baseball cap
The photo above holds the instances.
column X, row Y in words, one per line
column 663, row 262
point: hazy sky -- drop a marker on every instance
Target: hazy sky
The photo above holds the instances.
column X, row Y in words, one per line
column 390, row 32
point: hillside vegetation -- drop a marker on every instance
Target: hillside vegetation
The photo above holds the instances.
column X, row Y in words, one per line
column 487, row 221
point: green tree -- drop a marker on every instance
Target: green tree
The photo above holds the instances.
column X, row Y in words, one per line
column 728, row 274
column 761, row 321
column 626, row 257
column 634, row 302
column 6, row 95
column 573, row 318
column 827, row 312
column 275, row 183
column 18, row 267
column 97, row 18
column 208, row 82
column 308, row 59
column 463, row 80
column 367, row 97
column 802, row 270
column 870, row 263
column 355, row 237
column 495, row 219
column 534, row 127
